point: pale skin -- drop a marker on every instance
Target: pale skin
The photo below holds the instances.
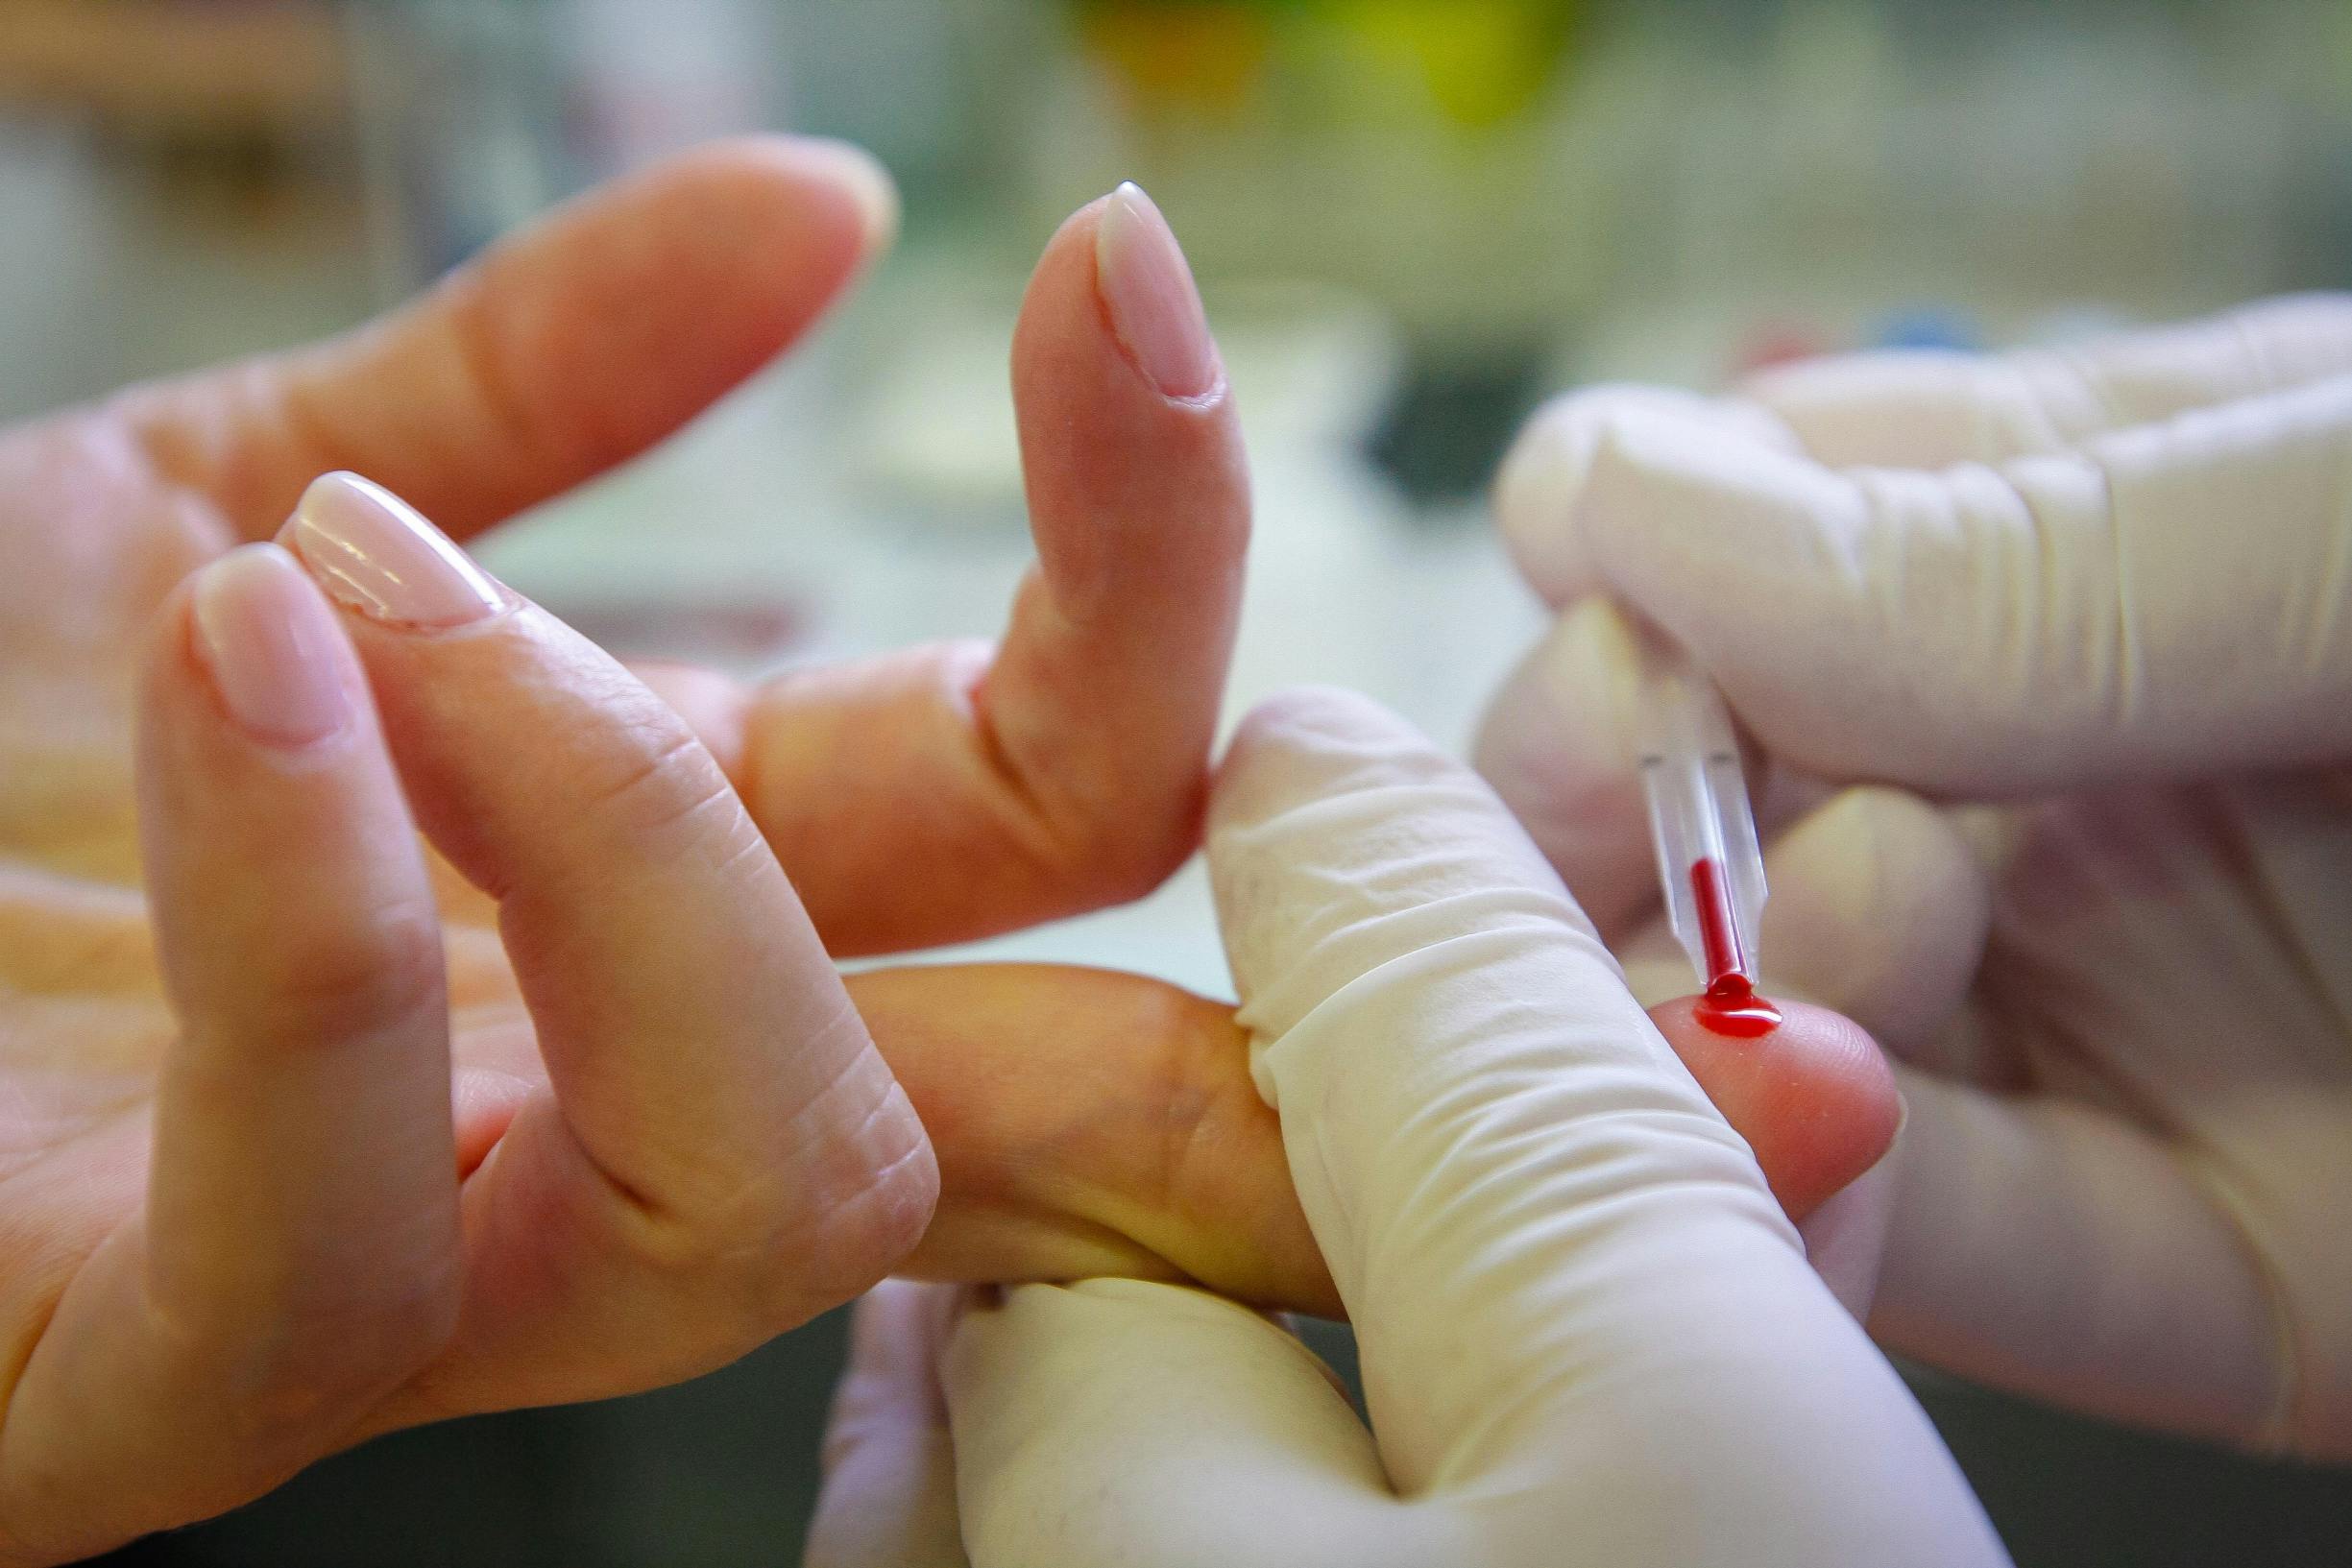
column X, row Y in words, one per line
column 309, row 1130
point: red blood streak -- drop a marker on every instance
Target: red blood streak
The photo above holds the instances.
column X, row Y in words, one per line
column 1719, row 930
column 1730, row 1004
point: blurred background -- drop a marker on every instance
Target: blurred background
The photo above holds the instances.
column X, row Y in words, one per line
column 1412, row 220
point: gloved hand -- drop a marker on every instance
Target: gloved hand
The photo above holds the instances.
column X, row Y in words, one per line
column 1587, row 1332
column 2103, row 596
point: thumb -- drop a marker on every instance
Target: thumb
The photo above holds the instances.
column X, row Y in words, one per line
column 890, row 1492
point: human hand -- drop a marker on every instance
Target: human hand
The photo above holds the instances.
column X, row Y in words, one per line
column 2092, row 606
column 1588, row 1331
column 256, row 1278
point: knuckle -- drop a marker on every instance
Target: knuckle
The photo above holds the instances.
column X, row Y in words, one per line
column 354, row 977
column 813, row 1231
column 1125, row 865
column 863, row 1206
column 854, row 1245
column 664, row 793
column 1107, row 852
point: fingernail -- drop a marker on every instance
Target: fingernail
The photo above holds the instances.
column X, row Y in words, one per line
column 867, row 183
column 275, row 653
column 1149, row 291
column 377, row 556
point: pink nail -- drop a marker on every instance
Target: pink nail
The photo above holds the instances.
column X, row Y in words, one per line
column 1149, row 290
column 379, row 557
column 276, row 655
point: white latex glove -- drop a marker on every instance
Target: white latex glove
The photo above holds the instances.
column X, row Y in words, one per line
column 2109, row 592
column 1588, row 1332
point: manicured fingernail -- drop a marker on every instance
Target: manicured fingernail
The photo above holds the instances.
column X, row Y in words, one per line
column 1149, row 291
column 278, row 659
column 377, row 556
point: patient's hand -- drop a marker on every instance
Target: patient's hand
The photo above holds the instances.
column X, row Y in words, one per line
column 303, row 1133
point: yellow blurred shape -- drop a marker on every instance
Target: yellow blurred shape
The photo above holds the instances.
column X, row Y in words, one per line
column 1483, row 61
column 1208, row 55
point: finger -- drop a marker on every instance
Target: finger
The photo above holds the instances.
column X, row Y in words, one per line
column 1125, row 1138
column 1537, row 489
column 1118, row 1422
column 1930, row 410
column 1919, row 410
column 1812, row 1097
column 565, row 351
column 1067, row 770
column 889, row 1499
column 1089, row 1124
column 2055, row 622
column 1509, row 1172
column 1818, row 1108
column 298, row 1254
column 2046, row 1247
column 724, row 1141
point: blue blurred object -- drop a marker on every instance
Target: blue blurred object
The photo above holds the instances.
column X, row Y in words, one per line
column 1929, row 326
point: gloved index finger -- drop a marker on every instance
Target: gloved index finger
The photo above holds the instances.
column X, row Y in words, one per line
column 2053, row 622
column 1927, row 409
column 1523, row 1196
column 1913, row 409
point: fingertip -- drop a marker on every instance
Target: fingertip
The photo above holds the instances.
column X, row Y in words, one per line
column 1153, row 306
column 1138, row 484
column 1544, row 476
column 1815, row 1099
column 1544, row 479
column 1312, row 741
column 1535, row 497
column 804, row 188
column 863, row 177
column 599, row 330
column 1720, row 541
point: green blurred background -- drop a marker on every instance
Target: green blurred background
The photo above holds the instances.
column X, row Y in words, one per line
column 1412, row 220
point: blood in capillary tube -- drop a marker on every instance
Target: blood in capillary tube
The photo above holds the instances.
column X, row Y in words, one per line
column 1730, row 1004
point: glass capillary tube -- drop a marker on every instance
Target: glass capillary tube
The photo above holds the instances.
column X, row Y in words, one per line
column 1709, row 861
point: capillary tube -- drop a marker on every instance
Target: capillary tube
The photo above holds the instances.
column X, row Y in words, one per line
column 1709, row 863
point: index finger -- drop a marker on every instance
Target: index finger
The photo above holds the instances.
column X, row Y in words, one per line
column 1915, row 409
column 569, row 347
column 1927, row 410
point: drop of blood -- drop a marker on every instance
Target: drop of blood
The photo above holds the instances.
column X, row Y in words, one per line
column 1730, row 1006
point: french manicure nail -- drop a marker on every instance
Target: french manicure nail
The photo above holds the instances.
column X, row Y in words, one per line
column 379, row 557
column 275, row 653
column 1149, row 291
